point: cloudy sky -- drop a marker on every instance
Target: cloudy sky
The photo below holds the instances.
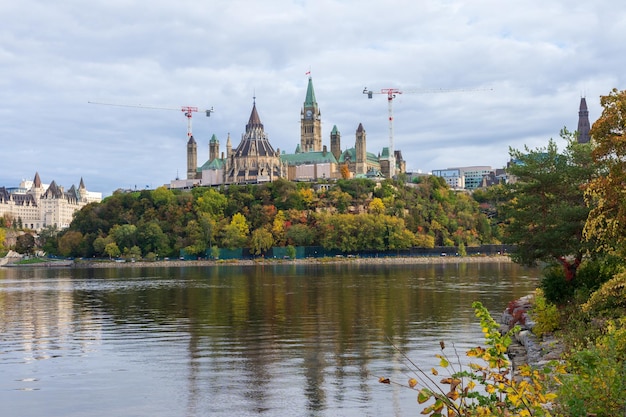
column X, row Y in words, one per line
column 517, row 70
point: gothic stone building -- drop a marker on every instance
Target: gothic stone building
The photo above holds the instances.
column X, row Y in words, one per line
column 36, row 205
column 255, row 160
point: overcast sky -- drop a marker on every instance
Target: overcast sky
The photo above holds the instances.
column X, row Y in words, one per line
column 538, row 57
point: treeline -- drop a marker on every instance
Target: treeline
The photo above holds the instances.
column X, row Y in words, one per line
column 347, row 215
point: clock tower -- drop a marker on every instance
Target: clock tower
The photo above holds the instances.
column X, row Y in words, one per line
column 310, row 123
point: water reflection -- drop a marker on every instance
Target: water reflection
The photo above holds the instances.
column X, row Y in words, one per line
column 230, row 340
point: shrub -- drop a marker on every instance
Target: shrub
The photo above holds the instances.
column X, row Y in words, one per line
column 610, row 299
column 596, row 383
column 485, row 388
column 545, row 315
column 593, row 273
column 555, row 287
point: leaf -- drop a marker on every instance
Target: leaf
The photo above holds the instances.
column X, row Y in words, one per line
column 434, row 371
column 384, row 380
column 412, row 382
column 443, row 362
column 453, row 395
column 423, row 396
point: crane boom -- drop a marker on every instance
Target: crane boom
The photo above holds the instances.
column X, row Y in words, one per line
column 187, row 110
column 391, row 94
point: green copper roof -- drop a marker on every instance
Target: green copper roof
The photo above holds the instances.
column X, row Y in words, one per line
column 335, row 130
column 213, row 139
column 310, row 95
column 308, row 158
column 215, row 164
column 351, row 153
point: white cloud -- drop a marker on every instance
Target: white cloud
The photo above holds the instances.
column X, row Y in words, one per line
column 538, row 57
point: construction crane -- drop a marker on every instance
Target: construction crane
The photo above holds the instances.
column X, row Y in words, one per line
column 187, row 110
column 391, row 93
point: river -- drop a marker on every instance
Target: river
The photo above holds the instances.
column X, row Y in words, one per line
column 273, row 340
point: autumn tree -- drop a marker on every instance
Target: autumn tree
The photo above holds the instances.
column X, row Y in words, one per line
column 278, row 228
column 606, row 225
column 235, row 234
column 260, row 241
column 547, row 210
column 70, row 243
column 376, row 206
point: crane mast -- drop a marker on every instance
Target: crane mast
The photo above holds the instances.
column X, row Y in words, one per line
column 391, row 95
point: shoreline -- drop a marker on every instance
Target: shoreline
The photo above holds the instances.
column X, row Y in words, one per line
column 307, row 261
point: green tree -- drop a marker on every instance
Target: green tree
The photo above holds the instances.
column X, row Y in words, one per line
column 25, row 244
column 213, row 202
column 47, row 239
column 112, row 250
column 100, row 243
column 547, row 211
column 125, row 235
column 260, row 241
column 300, row 235
column 151, row 238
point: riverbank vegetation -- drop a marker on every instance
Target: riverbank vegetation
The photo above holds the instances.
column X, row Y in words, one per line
column 346, row 215
column 564, row 210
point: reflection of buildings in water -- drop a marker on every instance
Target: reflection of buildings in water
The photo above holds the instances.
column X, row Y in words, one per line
column 40, row 316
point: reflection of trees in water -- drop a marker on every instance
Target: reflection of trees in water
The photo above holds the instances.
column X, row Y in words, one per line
column 274, row 325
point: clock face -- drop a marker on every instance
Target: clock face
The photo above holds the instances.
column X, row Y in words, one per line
column 309, row 113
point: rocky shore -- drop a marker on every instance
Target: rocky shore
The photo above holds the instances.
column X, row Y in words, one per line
column 271, row 261
column 526, row 347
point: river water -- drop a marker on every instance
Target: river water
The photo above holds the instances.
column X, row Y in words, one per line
column 272, row 340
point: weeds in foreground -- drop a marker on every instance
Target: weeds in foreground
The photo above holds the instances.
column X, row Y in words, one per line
column 486, row 387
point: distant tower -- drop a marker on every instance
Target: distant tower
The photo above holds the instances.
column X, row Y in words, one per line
column 192, row 158
column 583, row 122
column 310, row 123
column 229, row 147
column 82, row 190
column 214, row 148
column 335, row 142
column 361, row 151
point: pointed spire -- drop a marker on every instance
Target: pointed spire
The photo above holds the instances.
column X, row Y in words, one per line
column 81, row 186
column 360, row 128
column 255, row 120
column 583, row 122
column 310, row 95
column 37, row 180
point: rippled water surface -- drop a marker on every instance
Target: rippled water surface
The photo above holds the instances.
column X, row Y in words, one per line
column 284, row 340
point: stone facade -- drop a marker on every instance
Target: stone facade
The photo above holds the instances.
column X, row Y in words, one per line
column 37, row 205
column 255, row 160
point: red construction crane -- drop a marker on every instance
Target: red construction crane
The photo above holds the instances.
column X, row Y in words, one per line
column 391, row 94
column 187, row 110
